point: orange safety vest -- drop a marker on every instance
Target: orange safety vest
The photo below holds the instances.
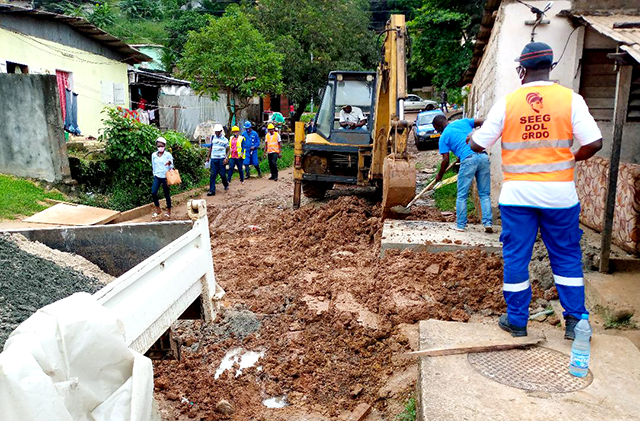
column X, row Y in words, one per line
column 272, row 142
column 538, row 134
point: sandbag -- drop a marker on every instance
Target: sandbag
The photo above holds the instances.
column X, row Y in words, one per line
column 70, row 361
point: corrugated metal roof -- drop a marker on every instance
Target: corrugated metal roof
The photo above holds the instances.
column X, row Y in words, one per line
column 86, row 28
column 611, row 26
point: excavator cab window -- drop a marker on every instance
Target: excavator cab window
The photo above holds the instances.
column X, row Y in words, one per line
column 324, row 120
column 356, row 89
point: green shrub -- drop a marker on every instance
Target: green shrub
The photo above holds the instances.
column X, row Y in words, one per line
column 123, row 181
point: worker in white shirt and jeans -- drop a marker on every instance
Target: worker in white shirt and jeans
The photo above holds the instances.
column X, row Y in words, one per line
column 538, row 123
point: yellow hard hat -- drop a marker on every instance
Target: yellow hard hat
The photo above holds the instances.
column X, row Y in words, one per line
column 235, row 129
column 271, row 126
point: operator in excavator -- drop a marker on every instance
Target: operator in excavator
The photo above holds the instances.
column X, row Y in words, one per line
column 352, row 118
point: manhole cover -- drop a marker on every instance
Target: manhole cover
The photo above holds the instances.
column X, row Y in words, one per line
column 535, row 369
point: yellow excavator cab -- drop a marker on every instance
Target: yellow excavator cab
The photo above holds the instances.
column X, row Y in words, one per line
column 359, row 135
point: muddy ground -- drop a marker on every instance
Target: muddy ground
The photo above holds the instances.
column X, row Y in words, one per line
column 329, row 314
column 308, row 289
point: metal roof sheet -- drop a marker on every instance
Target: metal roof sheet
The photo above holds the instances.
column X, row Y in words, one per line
column 86, row 28
column 612, row 26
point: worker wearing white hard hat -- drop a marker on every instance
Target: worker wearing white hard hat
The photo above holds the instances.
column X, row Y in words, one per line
column 217, row 158
column 273, row 150
column 161, row 162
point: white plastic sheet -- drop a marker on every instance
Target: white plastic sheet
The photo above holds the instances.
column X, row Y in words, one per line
column 69, row 361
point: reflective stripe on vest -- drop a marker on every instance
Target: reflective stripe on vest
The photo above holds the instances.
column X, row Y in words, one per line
column 538, row 134
column 238, row 140
column 272, row 143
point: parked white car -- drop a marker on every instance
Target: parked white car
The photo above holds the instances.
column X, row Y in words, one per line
column 415, row 103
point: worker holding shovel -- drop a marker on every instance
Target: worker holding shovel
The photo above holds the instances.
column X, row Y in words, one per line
column 472, row 165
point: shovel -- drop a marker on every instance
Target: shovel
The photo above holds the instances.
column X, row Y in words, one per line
column 407, row 209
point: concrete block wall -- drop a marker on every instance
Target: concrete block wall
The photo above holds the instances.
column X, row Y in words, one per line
column 32, row 140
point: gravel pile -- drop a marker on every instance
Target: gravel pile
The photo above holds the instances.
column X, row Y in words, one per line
column 29, row 282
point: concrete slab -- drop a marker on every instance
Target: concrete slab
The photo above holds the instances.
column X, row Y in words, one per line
column 72, row 214
column 616, row 296
column 449, row 388
column 436, row 237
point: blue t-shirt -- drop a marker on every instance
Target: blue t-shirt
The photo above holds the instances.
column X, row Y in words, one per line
column 159, row 164
column 454, row 138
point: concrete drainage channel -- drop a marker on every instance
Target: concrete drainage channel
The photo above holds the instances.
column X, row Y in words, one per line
column 165, row 272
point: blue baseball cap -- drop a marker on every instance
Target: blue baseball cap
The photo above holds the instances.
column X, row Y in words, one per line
column 247, row 125
column 536, row 55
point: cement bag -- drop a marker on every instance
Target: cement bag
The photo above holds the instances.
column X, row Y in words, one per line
column 69, row 361
column 173, row 177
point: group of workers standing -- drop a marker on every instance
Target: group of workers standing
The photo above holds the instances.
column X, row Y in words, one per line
column 240, row 151
column 537, row 124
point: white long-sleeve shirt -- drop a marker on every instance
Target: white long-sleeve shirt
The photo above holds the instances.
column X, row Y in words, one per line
column 539, row 194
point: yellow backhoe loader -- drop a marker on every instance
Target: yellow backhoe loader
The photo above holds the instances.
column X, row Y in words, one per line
column 373, row 154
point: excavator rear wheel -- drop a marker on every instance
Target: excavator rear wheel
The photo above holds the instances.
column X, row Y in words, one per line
column 315, row 189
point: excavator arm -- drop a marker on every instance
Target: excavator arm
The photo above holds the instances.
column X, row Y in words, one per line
column 391, row 162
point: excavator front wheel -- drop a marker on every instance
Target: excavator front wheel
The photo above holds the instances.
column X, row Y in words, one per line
column 398, row 183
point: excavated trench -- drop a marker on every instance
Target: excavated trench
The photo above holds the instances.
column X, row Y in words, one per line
column 326, row 313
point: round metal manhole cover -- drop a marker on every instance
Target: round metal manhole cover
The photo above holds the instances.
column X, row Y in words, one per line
column 534, row 369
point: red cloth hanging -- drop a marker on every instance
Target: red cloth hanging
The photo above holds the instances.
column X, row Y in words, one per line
column 63, row 83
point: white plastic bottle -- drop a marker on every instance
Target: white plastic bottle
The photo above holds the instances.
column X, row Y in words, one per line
column 581, row 348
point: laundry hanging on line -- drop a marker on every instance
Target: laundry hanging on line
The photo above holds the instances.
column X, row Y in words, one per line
column 71, row 117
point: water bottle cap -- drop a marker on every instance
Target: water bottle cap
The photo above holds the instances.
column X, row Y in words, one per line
column 585, row 317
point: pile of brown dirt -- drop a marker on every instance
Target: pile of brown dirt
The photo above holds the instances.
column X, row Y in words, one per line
column 328, row 307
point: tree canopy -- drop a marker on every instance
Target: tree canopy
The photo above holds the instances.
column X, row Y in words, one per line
column 230, row 55
column 442, row 33
column 335, row 33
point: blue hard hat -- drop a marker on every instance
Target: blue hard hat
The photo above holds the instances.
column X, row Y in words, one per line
column 536, row 55
column 247, row 125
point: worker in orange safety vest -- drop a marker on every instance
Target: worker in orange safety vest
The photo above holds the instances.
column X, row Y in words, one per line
column 538, row 123
column 272, row 150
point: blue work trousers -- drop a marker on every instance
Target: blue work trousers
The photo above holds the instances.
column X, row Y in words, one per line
column 216, row 168
column 475, row 165
column 233, row 163
column 561, row 235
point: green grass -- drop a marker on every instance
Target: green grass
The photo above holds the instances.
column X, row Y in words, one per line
column 409, row 413
column 622, row 324
column 23, row 197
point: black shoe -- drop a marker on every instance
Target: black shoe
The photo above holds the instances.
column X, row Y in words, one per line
column 570, row 323
column 513, row 330
column 275, row 179
column 271, row 178
column 211, row 193
column 226, row 187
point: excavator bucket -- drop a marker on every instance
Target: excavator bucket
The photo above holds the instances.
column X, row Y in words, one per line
column 399, row 183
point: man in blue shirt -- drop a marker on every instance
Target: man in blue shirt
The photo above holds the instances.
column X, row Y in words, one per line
column 252, row 143
column 472, row 164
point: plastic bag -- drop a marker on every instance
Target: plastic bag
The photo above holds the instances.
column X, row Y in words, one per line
column 69, row 361
column 207, row 164
column 173, row 177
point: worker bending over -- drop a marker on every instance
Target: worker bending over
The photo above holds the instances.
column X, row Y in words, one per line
column 472, row 165
column 538, row 123
column 272, row 150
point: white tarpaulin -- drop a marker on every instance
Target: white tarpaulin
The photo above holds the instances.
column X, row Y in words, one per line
column 69, row 361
